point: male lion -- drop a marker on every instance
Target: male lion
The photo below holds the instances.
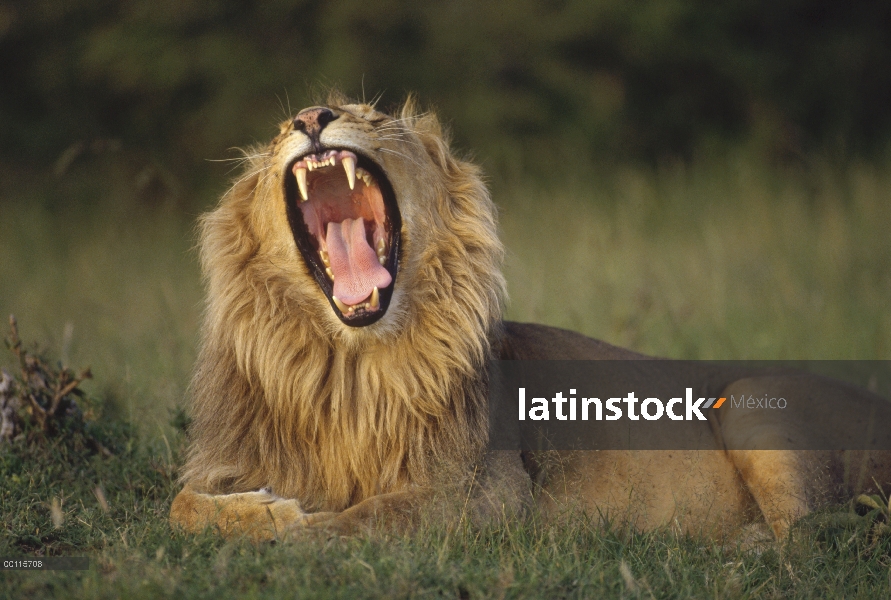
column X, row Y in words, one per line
column 354, row 298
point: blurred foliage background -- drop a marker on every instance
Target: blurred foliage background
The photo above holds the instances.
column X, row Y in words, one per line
column 182, row 80
column 692, row 179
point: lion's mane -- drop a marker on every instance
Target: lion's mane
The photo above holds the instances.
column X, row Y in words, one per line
column 285, row 397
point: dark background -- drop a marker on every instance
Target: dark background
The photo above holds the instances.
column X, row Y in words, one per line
column 177, row 82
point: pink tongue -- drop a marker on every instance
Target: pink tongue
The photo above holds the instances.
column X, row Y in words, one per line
column 353, row 262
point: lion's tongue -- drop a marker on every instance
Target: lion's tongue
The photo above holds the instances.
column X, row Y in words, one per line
column 354, row 263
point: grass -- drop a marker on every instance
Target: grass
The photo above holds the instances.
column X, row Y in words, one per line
column 715, row 261
column 108, row 279
column 134, row 554
column 723, row 259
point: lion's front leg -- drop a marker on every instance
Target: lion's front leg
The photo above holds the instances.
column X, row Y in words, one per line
column 396, row 511
column 258, row 515
column 500, row 490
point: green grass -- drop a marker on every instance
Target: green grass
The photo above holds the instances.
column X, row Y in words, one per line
column 134, row 553
column 724, row 259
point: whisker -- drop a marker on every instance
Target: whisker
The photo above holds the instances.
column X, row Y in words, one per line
column 246, row 177
column 405, row 156
column 403, row 140
column 409, row 120
column 240, row 159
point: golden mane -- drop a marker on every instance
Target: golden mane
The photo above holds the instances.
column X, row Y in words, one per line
column 285, row 397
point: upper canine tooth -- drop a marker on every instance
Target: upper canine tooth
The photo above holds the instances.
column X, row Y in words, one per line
column 300, row 174
column 349, row 165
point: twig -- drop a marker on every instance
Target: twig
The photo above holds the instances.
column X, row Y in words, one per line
column 67, row 390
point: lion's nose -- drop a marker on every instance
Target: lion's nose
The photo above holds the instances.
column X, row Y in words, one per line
column 313, row 120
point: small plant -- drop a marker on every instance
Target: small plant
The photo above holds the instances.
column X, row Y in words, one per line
column 42, row 401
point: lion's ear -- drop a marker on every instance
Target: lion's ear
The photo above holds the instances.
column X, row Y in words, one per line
column 429, row 129
column 423, row 122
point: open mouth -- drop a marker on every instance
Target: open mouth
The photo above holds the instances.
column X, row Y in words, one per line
column 345, row 221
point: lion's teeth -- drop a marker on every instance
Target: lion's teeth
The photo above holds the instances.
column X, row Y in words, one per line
column 324, row 256
column 300, row 174
column 349, row 165
column 382, row 260
column 329, row 273
column 381, row 245
column 365, row 176
column 375, row 298
column 343, row 307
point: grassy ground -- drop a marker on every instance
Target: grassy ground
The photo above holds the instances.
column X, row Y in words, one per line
column 721, row 260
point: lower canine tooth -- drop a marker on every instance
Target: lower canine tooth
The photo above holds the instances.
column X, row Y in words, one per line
column 375, row 298
column 343, row 307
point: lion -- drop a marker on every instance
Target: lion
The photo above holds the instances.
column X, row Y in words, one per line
column 354, row 298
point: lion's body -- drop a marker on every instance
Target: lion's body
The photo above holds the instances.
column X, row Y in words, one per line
column 301, row 420
column 718, row 491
